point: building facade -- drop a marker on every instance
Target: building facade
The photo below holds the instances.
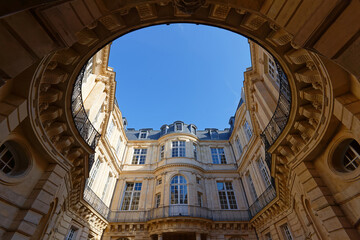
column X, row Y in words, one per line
column 287, row 167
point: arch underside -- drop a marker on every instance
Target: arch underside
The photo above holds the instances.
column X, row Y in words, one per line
column 86, row 30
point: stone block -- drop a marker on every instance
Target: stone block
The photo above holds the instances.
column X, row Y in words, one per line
column 27, row 227
column 318, row 192
column 47, row 186
column 32, row 33
column 82, row 12
column 22, row 111
column 53, row 177
column 322, row 202
column 4, row 129
column 307, row 175
column 15, row 236
column 14, row 58
column 59, row 236
column 335, row 223
column 67, row 218
column 329, row 212
column 313, row 183
column 57, row 169
column 340, row 31
column 13, row 119
column 62, row 229
column 40, row 206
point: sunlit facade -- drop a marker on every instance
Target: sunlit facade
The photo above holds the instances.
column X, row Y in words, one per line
column 286, row 168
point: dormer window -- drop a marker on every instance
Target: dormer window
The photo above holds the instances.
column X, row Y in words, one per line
column 164, row 129
column 214, row 134
column 178, row 126
column 143, row 134
column 193, row 129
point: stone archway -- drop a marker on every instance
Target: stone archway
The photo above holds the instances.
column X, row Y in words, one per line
column 79, row 28
column 306, row 74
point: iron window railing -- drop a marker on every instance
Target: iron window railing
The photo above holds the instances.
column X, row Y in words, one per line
column 96, row 203
column 83, row 125
column 271, row 133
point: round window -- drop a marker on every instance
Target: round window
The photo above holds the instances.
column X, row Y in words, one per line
column 347, row 156
column 351, row 158
column 13, row 160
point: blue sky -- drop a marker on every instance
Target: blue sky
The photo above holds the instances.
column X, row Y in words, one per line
column 187, row 72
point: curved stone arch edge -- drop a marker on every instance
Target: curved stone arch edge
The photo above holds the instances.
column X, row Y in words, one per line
column 103, row 42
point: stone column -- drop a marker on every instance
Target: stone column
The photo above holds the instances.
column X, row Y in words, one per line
column 160, row 236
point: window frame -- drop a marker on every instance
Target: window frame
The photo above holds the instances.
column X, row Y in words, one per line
column 286, row 231
column 141, row 134
column 72, row 233
column 217, row 156
column 226, row 191
column 195, row 151
column 162, row 152
column 132, row 199
column 179, row 187
column 140, row 157
column 264, row 172
column 157, row 200
column 177, row 150
column 238, row 145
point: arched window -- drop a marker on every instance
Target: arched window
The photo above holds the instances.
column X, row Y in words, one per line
column 178, row 190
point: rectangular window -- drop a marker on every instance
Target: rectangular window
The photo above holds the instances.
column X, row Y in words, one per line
column 226, row 195
column 286, row 232
column 159, row 181
column 105, row 187
column 118, row 147
column 131, row 196
column 272, row 68
column 110, row 128
column 218, row 155
column 238, row 145
column 199, row 198
column 195, row 151
column 178, row 127
column 139, row 156
column 93, row 172
column 264, row 172
column 198, row 180
column 157, row 200
column 143, row 134
column 247, row 130
column 251, row 187
column 178, row 149
column 162, row 152
column 72, row 234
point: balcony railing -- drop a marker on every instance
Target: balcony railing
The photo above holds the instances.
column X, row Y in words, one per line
column 281, row 114
column 81, row 120
column 264, row 199
column 179, row 211
column 271, row 132
column 91, row 198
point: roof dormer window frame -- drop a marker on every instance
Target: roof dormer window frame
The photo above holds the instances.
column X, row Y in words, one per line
column 180, row 125
column 141, row 136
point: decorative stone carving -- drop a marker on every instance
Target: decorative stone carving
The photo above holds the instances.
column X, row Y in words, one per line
column 188, row 6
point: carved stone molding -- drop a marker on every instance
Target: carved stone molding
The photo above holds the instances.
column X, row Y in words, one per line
column 50, row 98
